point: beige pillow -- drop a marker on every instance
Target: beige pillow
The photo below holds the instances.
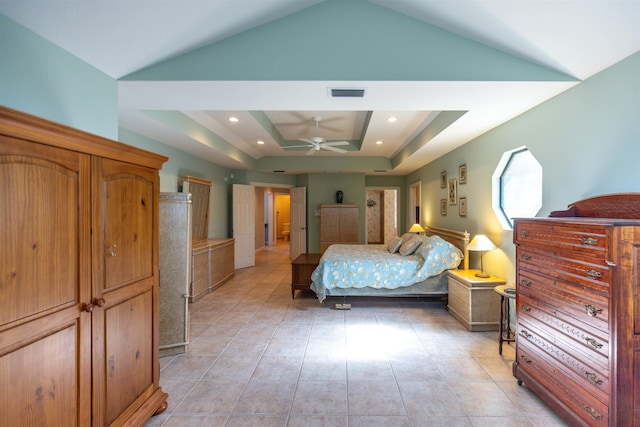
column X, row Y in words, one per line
column 410, row 245
column 394, row 244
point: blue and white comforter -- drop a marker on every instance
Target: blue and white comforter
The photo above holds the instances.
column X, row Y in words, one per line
column 359, row 266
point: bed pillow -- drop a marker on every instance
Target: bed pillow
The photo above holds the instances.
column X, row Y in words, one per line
column 407, row 236
column 439, row 255
column 410, row 246
column 394, row 244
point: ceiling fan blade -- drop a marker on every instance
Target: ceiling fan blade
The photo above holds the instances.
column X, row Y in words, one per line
column 310, row 152
column 306, row 140
column 330, row 148
column 296, row 146
column 336, row 143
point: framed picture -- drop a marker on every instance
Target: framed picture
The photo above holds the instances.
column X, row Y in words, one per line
column 443, row 179
column 453, row 191
column 462, row 173
column 443, row 207
column 462, row 207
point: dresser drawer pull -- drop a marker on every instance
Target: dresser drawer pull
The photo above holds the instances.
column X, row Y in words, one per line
column 592, row 310
column 590, row 241
column 526, row 334
column 524, row 233
column 593, row 343
column 525, row 257
column 592, row 376
column 594, row 274
column 526, row 359
column 594, row 414
column 525, row 282
column 525, row 307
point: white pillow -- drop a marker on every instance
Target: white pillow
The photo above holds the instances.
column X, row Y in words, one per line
column 394, row 244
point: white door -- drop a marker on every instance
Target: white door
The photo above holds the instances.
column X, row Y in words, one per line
column 244, row 226
column 298, row 220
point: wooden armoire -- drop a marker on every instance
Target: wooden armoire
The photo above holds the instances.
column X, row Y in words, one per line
column 78, row 277
column 338, row 224
column 578, row 310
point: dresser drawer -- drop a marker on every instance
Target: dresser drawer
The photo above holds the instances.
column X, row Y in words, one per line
column 565, row 267
column 588, row 306
column 583, row 341
column 588, row 240
column 591, row 408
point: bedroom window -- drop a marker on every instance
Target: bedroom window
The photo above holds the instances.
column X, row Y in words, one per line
column 517, row 186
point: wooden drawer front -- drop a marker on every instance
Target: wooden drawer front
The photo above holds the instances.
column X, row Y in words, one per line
column 565, row 330
column 591, row 374
column 589, row 240
column 586, row 406
column 565, row 267
column 582, row 303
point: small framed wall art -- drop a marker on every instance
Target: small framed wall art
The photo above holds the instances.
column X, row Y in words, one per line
column 462, row 173
column 443, row 207
column 462, row 206
column 443, row 179
column 453, row 191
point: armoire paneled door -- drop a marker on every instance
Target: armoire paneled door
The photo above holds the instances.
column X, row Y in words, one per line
column 78, row 278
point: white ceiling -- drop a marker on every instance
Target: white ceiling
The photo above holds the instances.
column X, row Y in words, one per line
column 574, row 37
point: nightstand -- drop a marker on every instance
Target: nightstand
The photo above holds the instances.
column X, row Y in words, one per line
column 301, row 269
column 472, row 300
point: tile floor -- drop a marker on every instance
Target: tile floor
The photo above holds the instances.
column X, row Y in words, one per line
column 259, row 358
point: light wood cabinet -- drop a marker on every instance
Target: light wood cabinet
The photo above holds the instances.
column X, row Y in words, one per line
column 212, row 266
column 472, row 300
column 79, row 277
column 338, row 224
column 578, row 310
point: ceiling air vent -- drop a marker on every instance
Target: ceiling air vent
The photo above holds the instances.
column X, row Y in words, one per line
column 347, row 93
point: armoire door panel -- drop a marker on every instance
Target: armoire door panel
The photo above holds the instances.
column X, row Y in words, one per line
column 40, row 381
column 127, row 194
column 39, row 217
column 126, row 351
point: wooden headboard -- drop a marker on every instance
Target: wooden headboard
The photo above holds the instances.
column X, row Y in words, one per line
column 459, row 239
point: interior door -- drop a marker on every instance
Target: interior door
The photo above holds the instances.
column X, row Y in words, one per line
column 244, row 225
column 298, row 234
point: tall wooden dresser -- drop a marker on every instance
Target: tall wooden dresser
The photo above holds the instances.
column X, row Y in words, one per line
column 338, row 224
column 78, row 277
column 578, row 310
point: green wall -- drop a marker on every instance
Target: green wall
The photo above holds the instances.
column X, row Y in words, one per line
column 586, row 140
column 39, row 78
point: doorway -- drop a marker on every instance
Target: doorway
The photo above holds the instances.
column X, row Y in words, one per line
column 382, row 214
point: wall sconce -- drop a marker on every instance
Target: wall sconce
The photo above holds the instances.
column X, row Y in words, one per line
column 481, row 243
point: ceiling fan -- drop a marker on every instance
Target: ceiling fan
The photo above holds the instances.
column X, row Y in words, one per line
column 317, row 142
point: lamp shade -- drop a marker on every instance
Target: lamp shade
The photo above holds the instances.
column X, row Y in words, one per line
column 416, row 228
column 481, row 243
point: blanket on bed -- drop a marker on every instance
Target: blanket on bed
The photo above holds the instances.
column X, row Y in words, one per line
column 359, row 266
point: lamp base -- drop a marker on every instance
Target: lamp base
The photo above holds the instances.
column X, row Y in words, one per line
column 482, row 275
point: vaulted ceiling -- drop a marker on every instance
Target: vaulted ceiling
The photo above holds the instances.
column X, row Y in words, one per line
column 447, row 71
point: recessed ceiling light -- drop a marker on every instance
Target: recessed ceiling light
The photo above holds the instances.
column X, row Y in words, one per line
column 260, row 142
column 234, row 119
column 379, row 142
column 392, row 119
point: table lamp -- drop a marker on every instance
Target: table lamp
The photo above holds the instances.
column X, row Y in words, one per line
column 481, row 243
column 416, row 228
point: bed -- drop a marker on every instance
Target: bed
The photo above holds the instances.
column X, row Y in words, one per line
column 373, row 270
